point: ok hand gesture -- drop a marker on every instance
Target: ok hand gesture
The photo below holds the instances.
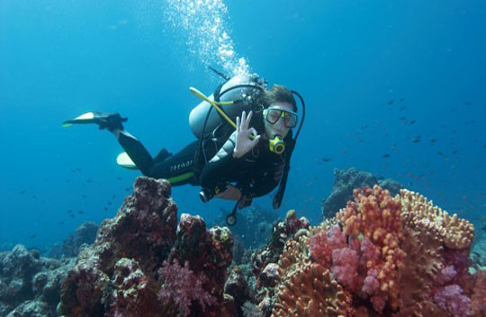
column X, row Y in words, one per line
column 246, row 138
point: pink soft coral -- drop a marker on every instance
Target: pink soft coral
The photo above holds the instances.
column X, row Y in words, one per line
column 323, row 244
column 345, row 267
column 183, row 287
column 450, row 298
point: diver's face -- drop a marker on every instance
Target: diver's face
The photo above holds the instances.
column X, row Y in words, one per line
column 279, row 127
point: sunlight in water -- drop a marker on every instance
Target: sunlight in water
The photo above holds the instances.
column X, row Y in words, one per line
column 206, row 31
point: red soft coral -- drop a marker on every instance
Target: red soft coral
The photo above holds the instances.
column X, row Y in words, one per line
column 183, row 287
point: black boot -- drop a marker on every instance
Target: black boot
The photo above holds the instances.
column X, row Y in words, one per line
column 108, row 121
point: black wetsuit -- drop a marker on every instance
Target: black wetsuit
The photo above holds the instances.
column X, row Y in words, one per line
column 256, row 174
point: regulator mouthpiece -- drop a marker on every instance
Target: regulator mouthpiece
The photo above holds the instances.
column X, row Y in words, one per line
column 277, row 145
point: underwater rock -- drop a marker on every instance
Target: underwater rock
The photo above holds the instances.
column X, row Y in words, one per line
column 18, row 267
column 478, row 253
column 32, row 308
column 124, row 272
column 237, row 287
column 85, row 234
column 30, row 284
column 143, row 230
column 348, row 179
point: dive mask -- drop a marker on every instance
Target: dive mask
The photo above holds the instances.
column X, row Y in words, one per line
column 272, row 116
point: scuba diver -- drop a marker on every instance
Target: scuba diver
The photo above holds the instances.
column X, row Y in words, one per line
column 232, row 161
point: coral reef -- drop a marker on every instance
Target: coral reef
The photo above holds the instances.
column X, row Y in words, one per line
column 345, row 181
column 381, row 256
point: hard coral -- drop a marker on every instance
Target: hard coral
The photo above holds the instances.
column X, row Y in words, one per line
column 420, row 212
column 310, row 292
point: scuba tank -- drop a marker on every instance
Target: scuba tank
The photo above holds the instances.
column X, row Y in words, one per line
column 238, row 92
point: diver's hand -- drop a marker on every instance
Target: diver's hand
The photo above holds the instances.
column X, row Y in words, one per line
column 231, row 193
column 243, row 141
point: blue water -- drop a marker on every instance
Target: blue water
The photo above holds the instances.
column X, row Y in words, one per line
column 353, row 62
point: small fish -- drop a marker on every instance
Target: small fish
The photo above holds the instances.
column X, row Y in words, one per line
column 483, row 228
column 416, row 139
column 440, row 153
column 325, row 159
column 110, row 203
column 386, row 156
column 433, row 141
column 390, row 102
column 402, row 99
column 33, row 236
column 23, row 191
column 68, row 180
column 84, row 196
column 61, row 223
column 467, row 103
column 412, row 122
column 455, row 152
column 119, row 178
column 89, row 181
column 105, row 208
column 402, row 108
column 80, row 212
column 127, row 189
column 71, row 215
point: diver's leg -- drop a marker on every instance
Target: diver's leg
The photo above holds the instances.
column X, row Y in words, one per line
column 135, row 150
column 178, row 169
